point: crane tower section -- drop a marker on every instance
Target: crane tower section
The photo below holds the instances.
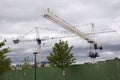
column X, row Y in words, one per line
column 55, row 19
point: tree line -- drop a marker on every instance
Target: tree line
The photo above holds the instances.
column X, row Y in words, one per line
column 60, row 57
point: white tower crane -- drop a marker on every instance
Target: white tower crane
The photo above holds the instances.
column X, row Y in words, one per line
column 38, row 40
column 60, row 22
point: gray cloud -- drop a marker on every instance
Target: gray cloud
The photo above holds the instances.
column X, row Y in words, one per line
column 19, row 10
column 19, row 17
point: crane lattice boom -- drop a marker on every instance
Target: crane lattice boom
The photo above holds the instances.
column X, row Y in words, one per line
column 50, row 16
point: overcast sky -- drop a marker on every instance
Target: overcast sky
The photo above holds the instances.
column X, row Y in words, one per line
column 20, row 17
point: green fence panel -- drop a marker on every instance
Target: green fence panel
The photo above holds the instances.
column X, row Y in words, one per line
column 103, row 70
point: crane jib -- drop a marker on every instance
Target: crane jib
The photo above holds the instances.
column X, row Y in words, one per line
column 55, row 19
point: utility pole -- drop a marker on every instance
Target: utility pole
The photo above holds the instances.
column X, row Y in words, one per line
column 35, row 65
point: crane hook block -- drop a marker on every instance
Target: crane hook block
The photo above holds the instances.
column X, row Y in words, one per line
column 16, row 41
column 39, row 41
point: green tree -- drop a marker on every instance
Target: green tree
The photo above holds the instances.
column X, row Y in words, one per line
column 4, row 61
column 61, row 56
column 26, row 63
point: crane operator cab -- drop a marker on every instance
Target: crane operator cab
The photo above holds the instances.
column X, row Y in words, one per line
column 38, row 41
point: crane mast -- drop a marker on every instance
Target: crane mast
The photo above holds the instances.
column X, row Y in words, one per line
column 55, row 19
column 93, row 53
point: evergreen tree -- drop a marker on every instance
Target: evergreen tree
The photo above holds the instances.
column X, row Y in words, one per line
column 61, row 56
column 4, row 61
